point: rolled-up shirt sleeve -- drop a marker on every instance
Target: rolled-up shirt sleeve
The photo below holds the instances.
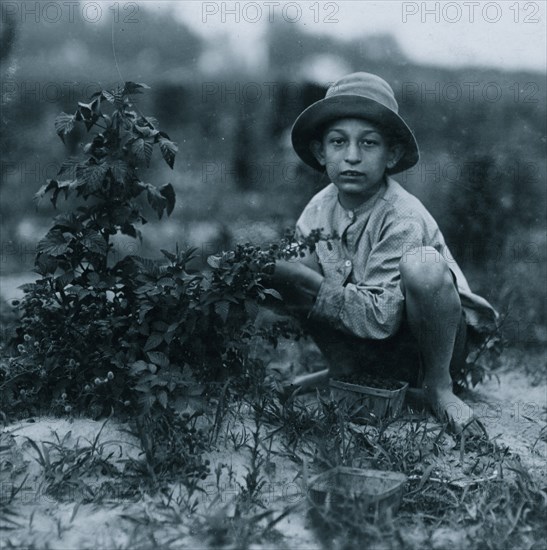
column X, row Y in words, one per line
column 372, row 304
column 361, row 293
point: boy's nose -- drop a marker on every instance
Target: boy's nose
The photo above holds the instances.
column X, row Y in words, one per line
column 353, row 154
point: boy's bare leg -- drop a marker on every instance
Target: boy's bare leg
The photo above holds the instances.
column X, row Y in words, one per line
column 433, row 311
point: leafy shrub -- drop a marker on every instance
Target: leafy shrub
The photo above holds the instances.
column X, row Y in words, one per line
column 74, row 318
column 132, row 336
column 136, row 337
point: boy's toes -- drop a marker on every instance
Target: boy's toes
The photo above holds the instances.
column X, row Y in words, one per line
column 461, row 420
column 474, row 427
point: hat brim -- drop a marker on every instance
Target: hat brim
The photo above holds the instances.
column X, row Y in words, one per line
column 309, row 124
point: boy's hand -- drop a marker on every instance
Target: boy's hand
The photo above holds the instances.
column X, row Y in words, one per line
column 310, row 260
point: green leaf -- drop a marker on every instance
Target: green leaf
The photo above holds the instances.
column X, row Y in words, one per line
column 48, row 186
column 134, row 87
column 96, row 106
column 143, row 310
column 119, row 170
column 59, row 186
column 64, row 123
column 156, row 199
column 45, row 264
column 158, row 358
column 142, row 149
column 148, row 266
column 214, row 261
column 162, row 398
column 92, row 176
column 160, row 326
column 95, row 242
column 168, row 150
column 273, row 292
column 251, row 307
column 168, row 193
column 109, row 96
column 154, row 340
column 67, row 222
column 65, row 278
column 222, row 309
column 54, row 244
column 138, row 367
column 87, row 112
column 154, row 122
column 68, row 168
column 146, row 401
column 166, row 281
column 145, row 131
column 169, row 255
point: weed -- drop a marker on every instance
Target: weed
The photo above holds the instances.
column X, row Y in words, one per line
column 172, row 450
column 9, row 517
column 254, row 478
column 70, row 472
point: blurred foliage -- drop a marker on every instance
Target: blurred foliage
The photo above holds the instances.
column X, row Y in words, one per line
column 481, row 172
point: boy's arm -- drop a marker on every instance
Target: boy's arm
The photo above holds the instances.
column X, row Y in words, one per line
column 299, row 280
column 298, row 283
column 373, row 306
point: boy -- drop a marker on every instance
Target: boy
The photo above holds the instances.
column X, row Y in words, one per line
column 388, row 298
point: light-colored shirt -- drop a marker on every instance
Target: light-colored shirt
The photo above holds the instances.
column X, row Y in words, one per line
column 360, row 293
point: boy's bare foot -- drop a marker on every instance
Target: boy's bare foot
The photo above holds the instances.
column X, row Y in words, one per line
column 449, row 408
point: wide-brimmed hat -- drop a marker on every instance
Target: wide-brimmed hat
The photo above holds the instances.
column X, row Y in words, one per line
column 357, row 95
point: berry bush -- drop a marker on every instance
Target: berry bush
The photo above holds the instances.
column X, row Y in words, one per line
column 132, row 336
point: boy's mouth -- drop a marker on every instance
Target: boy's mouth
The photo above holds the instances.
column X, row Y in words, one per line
column 351, row 173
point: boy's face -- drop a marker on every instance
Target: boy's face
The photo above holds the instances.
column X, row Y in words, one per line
column 355, row 155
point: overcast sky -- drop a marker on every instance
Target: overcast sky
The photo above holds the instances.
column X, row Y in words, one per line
column 506, row 34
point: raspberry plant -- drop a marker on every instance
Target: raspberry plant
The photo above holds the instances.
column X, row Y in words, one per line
column 137, row 337
column 132, row 336
column 75, row 316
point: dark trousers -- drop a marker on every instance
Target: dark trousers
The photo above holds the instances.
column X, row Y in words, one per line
column 396, row 357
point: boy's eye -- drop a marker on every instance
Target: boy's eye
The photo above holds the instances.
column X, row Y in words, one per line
column 370, row 142
column 337, row 140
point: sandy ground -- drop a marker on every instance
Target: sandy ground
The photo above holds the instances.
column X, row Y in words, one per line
column 514, row 412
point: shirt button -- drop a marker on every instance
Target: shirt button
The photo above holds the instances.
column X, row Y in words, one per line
column 348, row 263
column 351, row 215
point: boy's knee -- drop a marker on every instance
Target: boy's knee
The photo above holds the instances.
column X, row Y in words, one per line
column 426, row 270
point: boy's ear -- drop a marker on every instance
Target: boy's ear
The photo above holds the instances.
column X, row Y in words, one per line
column 396, row 153
column 316, row 148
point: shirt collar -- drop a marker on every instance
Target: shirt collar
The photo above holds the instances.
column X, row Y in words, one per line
column 367, row 205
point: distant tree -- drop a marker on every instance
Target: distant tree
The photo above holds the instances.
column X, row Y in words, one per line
column 473, row 212
column 155, row 46
column 8, row 34
column 242, row 158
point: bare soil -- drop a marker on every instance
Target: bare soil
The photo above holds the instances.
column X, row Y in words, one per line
column 513, row 407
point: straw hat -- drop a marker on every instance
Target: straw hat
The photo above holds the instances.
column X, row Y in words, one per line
column 357, row 95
